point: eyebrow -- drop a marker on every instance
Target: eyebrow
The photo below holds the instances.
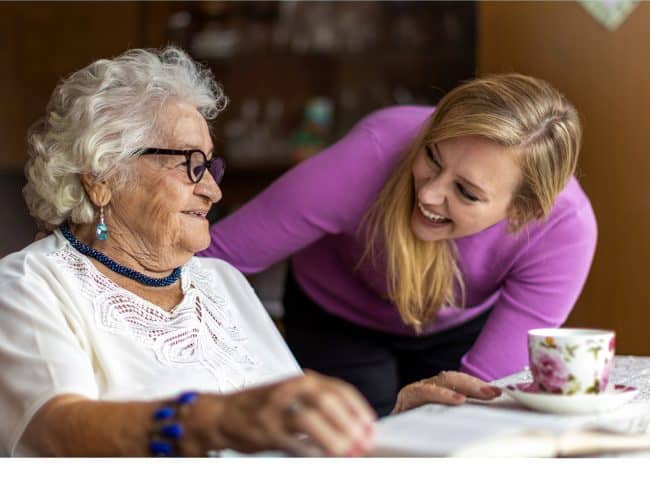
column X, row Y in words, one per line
column 476, row 187
column 193, row 147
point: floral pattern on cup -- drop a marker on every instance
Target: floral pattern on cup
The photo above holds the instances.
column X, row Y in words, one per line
column 571, row 361
column 550, row 372
column 607, row 371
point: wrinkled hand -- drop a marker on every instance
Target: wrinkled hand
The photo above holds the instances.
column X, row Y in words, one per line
column 446, row 388
column 307, row 415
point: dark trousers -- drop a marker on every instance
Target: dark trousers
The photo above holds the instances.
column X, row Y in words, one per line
column 377, row 364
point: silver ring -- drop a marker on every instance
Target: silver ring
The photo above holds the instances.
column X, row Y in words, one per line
column 293, row 407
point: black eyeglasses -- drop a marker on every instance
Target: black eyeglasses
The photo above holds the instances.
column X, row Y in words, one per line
column 196, row 162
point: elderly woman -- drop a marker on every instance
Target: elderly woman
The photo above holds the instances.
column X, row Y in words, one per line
column 114, row 339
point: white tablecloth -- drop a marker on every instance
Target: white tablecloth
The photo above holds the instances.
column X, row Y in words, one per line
column 628, row 370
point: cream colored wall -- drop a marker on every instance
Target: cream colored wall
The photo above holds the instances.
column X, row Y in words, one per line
column 607, row 76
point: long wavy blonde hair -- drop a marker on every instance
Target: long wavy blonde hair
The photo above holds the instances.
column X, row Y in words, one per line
column 524, row 114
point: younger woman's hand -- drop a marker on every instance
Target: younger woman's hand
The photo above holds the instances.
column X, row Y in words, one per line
column 445, row 388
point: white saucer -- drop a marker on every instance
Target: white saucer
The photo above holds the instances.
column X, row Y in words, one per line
column 527, row 394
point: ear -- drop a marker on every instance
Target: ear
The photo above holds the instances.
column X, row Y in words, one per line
column 97, row 190
column 523, row 211
column 519, row 210
column 515, row 218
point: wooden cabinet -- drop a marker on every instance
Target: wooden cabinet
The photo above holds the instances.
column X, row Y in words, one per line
column 355, row 56
column 274, row 60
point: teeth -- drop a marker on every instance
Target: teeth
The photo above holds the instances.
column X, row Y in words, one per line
column 434, row 217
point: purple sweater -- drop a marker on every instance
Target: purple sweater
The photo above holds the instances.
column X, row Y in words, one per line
column 312, row 213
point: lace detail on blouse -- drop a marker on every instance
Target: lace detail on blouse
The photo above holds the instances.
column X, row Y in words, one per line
column 200, row 331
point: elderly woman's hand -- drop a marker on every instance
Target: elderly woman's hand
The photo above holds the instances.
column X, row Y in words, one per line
column 446, row 388
column 307, row 415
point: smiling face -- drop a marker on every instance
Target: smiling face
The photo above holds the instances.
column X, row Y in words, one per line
column 462, row 185
column 162, row 215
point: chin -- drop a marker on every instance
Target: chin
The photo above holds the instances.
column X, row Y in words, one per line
column 185, row 250
column 425, row 236
column 195, row 237
column 197, row 245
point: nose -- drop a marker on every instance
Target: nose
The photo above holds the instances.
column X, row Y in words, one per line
column 208, row 188
column 433, row 192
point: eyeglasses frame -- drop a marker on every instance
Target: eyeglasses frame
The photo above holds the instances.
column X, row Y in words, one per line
column 207, row 165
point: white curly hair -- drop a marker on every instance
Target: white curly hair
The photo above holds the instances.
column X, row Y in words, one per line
column 98, row 118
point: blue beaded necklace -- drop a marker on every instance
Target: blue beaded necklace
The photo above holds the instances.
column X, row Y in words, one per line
column 114, row 266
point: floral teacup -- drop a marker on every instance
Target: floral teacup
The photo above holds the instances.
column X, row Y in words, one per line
column 571, row 360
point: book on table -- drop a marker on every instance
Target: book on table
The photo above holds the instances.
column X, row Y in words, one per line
column 499, row 429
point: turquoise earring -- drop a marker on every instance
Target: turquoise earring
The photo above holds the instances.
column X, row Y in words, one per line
column 102, row 230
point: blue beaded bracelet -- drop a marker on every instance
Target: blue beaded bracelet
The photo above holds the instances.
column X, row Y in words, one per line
column 167, row 429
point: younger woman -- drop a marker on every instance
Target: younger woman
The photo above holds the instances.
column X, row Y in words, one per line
column 427, row 240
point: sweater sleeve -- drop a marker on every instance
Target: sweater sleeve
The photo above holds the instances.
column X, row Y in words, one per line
column 326, row 194
column 539, row 292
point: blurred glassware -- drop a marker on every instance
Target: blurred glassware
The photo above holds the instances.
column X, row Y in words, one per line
column 276, row 138
column 217, row 38
column 313, row 27
column 406, row 32
column 252, row 141
column 357, row 26
column 179, row 28
column 258, row 20
column 241, row 134
column 284, row 26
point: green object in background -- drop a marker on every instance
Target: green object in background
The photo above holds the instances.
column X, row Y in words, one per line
column 610, row 13
column 319, row 111
column 314, row 131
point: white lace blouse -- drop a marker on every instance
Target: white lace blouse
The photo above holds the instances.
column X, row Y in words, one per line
column 67, row 328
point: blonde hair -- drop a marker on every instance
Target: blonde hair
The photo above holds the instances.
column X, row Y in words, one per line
column 525, row 115
column 98, row 118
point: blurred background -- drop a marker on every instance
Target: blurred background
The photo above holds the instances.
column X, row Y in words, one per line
column 300, row 74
